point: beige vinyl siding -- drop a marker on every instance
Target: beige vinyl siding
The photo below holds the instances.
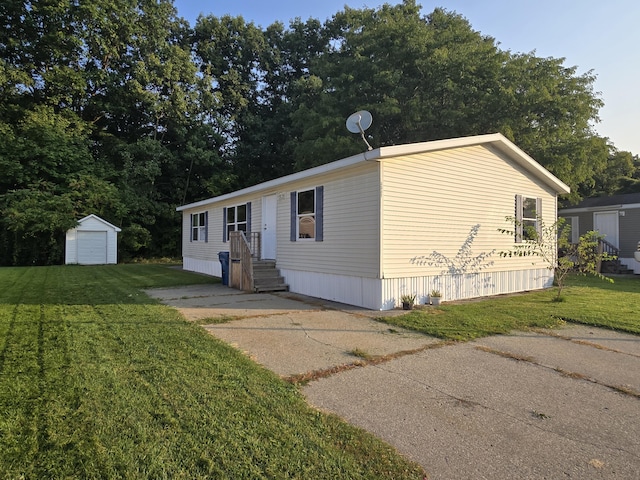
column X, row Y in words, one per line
column 432, row 201
column 351, row 226
column 209, row 250
column 198, row 250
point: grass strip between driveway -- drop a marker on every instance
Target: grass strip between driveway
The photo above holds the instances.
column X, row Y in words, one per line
column 97, row 380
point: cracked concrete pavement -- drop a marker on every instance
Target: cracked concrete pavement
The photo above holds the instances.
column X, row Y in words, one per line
column 562, row 403
column 292, row 334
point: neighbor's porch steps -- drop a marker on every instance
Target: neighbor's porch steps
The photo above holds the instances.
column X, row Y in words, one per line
column 615, row 266
column 267, row 278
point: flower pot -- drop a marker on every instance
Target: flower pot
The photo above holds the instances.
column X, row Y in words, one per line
column 407, row 306
column 435, row 301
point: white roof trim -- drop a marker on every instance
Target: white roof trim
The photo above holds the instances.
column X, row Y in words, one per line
column 100, row 220
column 497, row 140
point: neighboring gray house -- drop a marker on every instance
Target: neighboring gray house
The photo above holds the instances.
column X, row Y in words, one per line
column 93, row 242
column 616, row 217
column 396, row 220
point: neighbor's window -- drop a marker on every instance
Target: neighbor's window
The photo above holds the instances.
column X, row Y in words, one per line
column 199, row 227
column 307, row 214
column 569, row 225
column 575, row 229
column 528, row 210
column 236, row 219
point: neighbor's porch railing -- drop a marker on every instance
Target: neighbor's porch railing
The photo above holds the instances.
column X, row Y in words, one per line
column 242, row 251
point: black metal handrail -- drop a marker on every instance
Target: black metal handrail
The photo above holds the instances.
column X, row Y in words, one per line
column 608, row 248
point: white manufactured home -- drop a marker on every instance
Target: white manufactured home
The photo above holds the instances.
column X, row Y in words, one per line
column 397, row 220
column 93, row 241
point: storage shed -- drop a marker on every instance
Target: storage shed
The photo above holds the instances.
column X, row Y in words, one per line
column 93, row 242
column 394, row 221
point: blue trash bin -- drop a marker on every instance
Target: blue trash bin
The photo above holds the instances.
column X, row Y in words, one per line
column 224, row 262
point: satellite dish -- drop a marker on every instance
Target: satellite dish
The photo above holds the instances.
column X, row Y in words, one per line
column 358, row 123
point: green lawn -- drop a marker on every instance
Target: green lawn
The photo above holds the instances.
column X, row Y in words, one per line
column 99, row 381
column 586, row 300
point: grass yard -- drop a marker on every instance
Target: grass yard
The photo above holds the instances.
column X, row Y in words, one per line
column 586, row 300
column 99, row 381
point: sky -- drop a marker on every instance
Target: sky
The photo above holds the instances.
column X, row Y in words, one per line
column 589, row 34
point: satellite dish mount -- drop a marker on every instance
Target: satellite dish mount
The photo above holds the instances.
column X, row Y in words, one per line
column 358, row 123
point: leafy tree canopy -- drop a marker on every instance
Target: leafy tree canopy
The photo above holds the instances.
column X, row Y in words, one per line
column 123, row 109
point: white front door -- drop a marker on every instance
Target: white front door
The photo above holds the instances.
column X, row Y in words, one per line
column 607, row 224
column 269, row 219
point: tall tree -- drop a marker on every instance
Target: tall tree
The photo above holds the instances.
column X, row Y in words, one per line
column 48, row 184
column 103, row 94
column 549, row 111
column 119, row 107
column 621, row 175
column 266, row 128
column 433, row 77
column 423, row 78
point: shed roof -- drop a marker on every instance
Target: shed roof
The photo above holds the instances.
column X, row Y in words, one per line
column 496, row 140
column 102, row 220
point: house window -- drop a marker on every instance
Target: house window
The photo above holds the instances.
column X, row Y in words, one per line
column 199, row 227
column 570, row 229
column 307, row 214
column 575, row 229
column 236, row 219
column 528, row 212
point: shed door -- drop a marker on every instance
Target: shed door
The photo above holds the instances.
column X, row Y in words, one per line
column 607, row 224
column 92, row 248
column 269, row 218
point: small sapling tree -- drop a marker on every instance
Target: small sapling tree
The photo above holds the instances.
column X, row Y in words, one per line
column 551, row 244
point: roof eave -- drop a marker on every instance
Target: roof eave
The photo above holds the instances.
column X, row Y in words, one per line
column 600, row 208
column 496, row 139
column 275, row 183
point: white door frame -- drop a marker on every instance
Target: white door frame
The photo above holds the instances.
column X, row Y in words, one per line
column 269, row 231
column 612, row 235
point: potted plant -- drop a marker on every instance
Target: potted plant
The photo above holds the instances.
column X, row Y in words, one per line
column 408, row 301
column 435, row 297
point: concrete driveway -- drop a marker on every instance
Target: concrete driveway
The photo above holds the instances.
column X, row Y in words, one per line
column 551, row 404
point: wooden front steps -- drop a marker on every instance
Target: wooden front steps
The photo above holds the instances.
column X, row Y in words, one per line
column 267, row 278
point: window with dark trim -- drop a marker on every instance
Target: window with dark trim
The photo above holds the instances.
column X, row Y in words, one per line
column 528, row 213
column 236, row 218
column 307, row 211
column 307, row 214
column 199, row 224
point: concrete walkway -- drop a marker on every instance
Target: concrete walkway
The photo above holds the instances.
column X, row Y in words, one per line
column 290, row 334
column 562, row 403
